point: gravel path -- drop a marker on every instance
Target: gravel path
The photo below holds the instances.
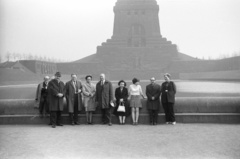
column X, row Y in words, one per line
column 191, row 141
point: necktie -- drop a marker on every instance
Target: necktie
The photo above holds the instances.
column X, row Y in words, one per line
column 74, row 84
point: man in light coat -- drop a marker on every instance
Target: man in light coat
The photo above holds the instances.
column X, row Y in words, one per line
column 104, row 98
column 73, row 89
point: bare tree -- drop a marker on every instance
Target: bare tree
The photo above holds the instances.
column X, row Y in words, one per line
column 44, row 58
column 30, row 56
column 14, row 56
column 8, row 56
column 40, row 58
column 36, row 57
column 24, row 56
column 18, row 56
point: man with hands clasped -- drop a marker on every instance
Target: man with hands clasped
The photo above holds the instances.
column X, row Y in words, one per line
column 153, row 92
column 56, row 90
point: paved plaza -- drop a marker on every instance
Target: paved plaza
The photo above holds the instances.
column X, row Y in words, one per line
column 120, row 141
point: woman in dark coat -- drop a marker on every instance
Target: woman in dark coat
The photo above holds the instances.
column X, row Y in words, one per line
column 121, row 95
column 168, row 90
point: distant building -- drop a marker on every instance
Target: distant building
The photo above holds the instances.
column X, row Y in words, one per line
column 38, row 67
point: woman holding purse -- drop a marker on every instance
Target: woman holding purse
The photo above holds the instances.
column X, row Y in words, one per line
column 121, row 95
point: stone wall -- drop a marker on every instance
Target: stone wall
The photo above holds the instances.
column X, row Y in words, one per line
column 40, row 67
column 187, row 109
column 205, row 65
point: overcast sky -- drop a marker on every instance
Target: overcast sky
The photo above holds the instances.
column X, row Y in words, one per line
column 72, row 29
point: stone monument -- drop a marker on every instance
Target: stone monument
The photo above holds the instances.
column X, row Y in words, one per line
column 136, row 48
column 136, row 43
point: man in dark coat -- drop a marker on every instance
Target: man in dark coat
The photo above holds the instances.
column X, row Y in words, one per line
column 73, row 89
column 55, row 91
column 153, row 92
column 104, row 98
column 168, row 91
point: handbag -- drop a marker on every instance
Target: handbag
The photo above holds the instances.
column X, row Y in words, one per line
column 121, row 108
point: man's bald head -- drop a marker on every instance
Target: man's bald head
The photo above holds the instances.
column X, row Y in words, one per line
column 46, row 78
column 102, row 76
column 152, row 80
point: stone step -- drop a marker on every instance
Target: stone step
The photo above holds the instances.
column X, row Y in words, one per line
column 224, row 118
column 183, row 105
column 187, row 109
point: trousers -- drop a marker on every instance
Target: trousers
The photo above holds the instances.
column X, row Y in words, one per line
column 43, row 106
column 169, row 112
column 153, row 114
column 106, row 115
column 74, row 116
column 55, row 117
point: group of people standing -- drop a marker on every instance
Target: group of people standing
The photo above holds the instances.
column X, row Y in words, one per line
column 51, row 93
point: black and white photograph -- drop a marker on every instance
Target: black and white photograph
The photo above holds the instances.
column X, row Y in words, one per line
column 119, row 79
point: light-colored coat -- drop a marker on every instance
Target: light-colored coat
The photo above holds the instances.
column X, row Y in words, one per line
column 89, row 101
column 69, row 94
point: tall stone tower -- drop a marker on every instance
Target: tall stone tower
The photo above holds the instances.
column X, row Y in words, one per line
column 136, row 43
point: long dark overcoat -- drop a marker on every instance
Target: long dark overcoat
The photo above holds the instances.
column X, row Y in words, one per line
column 104, row 94
column 169, row 95
column 153, row 91
column 55, row 102
column 70, row 92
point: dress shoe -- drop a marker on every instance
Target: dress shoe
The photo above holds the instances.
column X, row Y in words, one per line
column 53, row 126
column 59, row 124
column 110, row 124
column 76, row 123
